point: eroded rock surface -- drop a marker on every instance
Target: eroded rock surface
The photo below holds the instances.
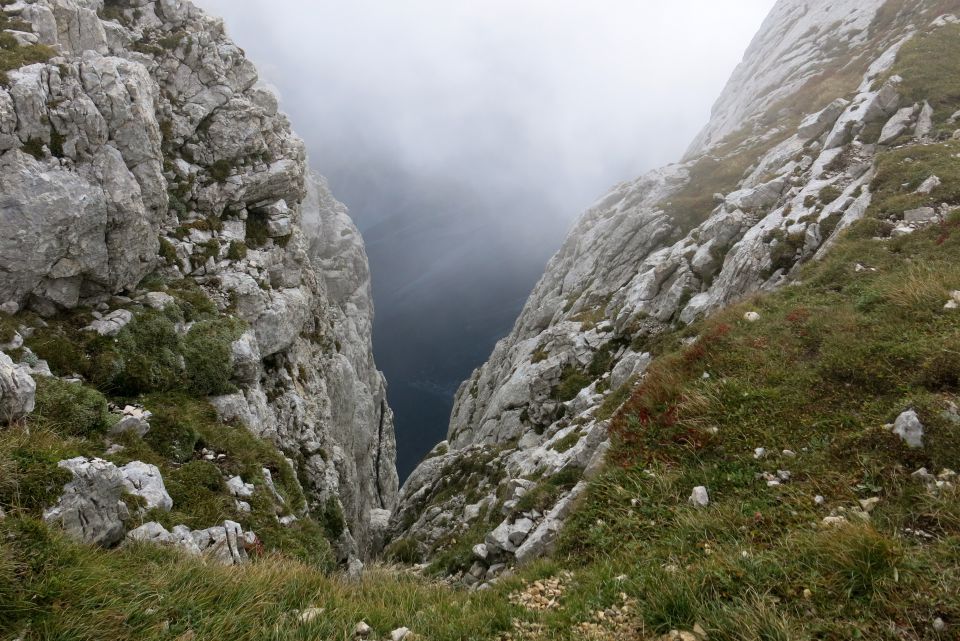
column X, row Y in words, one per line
column 147, row 145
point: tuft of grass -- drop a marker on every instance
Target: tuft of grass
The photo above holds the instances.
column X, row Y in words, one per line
column 829, row 194
column 71, row 408
column 167, row 251
column 237, row 251
column 29, row 477
column 572, row 380
column 542, row 497
column 221, row 170
column 257, row 231
column 13, row 55
column 567, row 442
column 901, row 171
column 404, row 551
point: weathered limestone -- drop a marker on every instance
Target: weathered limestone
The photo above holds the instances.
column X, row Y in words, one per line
column 17, row 391
column 149, row 146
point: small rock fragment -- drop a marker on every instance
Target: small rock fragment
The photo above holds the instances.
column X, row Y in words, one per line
column 362, row 631
column 929, row 185
column 909, row 428
column 400, row 634
column 920, row 215
column 751, row 317
column 700, row 497
column 240, row 489
column 310, row 614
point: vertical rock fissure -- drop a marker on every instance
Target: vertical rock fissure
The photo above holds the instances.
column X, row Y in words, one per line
column 376, row 471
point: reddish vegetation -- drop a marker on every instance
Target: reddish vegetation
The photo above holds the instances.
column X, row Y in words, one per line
column 648, row 427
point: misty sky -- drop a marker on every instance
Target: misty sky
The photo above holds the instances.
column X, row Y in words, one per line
column 466, row 136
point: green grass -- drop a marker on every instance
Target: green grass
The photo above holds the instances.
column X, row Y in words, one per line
column 572, row 381
column 9, row 327
column 567, row 442
column 13, row 56
column 149, row 354
column 546, row 493
column 828, row 365
column 150, row 594
column 237, row 251
column 930, row 67
column 900, row 172
column 257, row 231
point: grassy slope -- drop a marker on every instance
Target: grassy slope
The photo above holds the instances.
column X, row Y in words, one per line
column 831, row 361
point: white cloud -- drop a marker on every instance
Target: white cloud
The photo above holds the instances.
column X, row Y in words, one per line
column 562, row 96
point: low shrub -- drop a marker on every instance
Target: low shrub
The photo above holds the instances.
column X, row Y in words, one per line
column 71, row 408
column 207, row 354
column 147, row 354
column 172, row 433
column 330, row 518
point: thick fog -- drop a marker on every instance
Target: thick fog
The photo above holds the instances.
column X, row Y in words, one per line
column 465, row 137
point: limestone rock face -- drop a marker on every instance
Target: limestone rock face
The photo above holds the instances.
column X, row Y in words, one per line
column 92, row 509
column 784, row 55
column 17, row 391
column 148, row 146
column 658, row 251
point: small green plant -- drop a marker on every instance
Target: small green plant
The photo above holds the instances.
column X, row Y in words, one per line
column 221, row 170
column 548, row 491
column 567, row 442
column 257, row 232
column 167, row 251
column 34, row 147
column 237, row 251
column 572, row 380
column 145, row 357
column 9, row 326
column 829, row 194
column 330, row 518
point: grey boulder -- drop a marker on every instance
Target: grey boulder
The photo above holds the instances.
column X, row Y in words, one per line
column 909, row 428
column 17, row 391
column 91, row 509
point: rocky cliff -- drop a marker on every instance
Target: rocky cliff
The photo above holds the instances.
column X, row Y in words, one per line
column 142, row 165
column 784, row 165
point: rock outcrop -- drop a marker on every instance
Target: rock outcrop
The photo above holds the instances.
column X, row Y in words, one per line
column 92, row 508
column 784, row 164
column 145, row 145
column 226, row 544
column 17, row 390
